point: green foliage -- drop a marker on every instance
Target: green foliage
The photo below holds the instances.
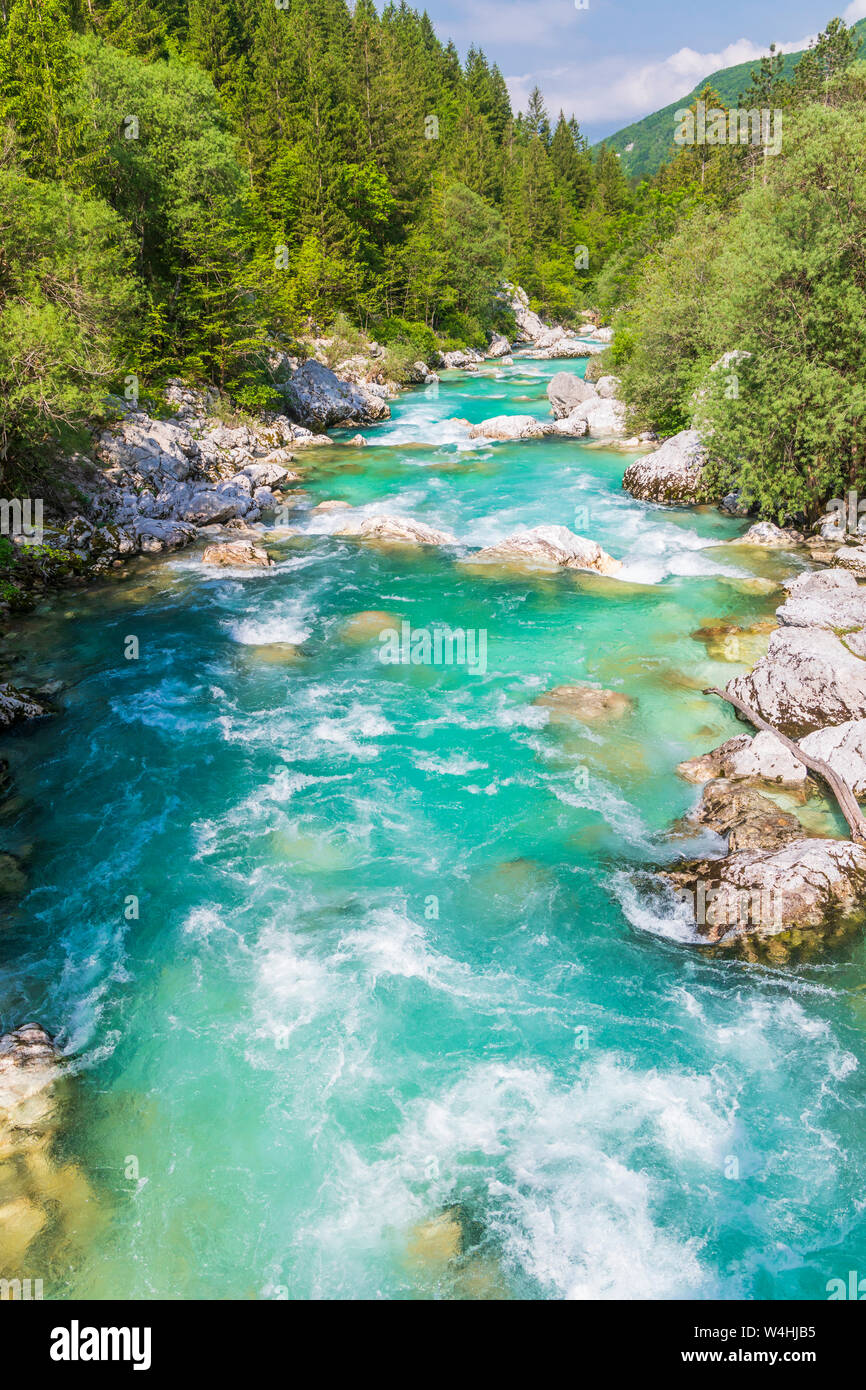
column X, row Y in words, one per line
column 791, row 290
column 68, row 304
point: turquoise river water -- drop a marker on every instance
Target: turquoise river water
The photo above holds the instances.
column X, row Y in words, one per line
column 397, row 950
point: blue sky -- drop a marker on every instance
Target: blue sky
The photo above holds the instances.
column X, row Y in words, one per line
column 618, row 60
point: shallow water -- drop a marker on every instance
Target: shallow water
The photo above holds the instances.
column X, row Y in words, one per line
column 395, row 951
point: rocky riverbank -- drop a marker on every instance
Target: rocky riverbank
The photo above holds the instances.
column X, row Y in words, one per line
column 780, row 887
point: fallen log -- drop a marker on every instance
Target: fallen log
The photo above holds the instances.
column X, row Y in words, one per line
column 845, row 797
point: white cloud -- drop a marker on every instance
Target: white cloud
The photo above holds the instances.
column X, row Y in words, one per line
column 617, row 89
column 856, row 10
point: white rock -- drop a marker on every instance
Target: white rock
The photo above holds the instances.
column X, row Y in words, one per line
column 499, row 346
column 769, row 534
column 511, row 427
column 852, row 558
column 397, row 529
column 317, row 398
column 605, row 418
column 843, row 746
column 565, row 391
column 808, row 679
column 671, row 474
column 608, row 387
column 550, row 547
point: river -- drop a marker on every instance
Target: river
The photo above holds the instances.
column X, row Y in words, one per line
column 337, row 945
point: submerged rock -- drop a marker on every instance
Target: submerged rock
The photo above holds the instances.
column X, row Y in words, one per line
column 728, row 642
column 549, row 547
column 584, row 702
column 400, row 530
column 435, row 1243
column 13, row 880
column 236, row 554
column 744, row 817
column 368, row 625
column 673, row 474
column 29, row 1067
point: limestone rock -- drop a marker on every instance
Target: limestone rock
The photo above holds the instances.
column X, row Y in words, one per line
column 828, row 599
column 671, row 474
column 510, row 427
column 762, row 758
column 17, row 705
column 550, row 547
column 237, row 554
column 400, row 530
column 808, row 678
column 843, row 746
column 317, row 398
column 807, row 884
column 565, row 391
column 775, row 537
column 853, row 559
column 746, row 818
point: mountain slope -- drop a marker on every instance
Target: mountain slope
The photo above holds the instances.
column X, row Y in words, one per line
column 644, row 145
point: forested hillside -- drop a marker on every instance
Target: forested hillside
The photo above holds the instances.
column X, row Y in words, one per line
column 187, row 187
column 192, row 188
column 644, row 145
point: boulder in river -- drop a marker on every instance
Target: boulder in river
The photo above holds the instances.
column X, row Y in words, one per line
column 565, row 391
column 605, row 419
column 673, row 474
column 829, row 599
column 511, row 427
column 316, row 397
column 843, row 746
column 398, row 530
column 809, row 678
column 237, row 554
column 810, row 885
column 762, row 758
column 498, row 346
column 549, row 547
column 769, row 534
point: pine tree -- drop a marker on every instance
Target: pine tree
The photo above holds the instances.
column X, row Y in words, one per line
column 39, row 75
